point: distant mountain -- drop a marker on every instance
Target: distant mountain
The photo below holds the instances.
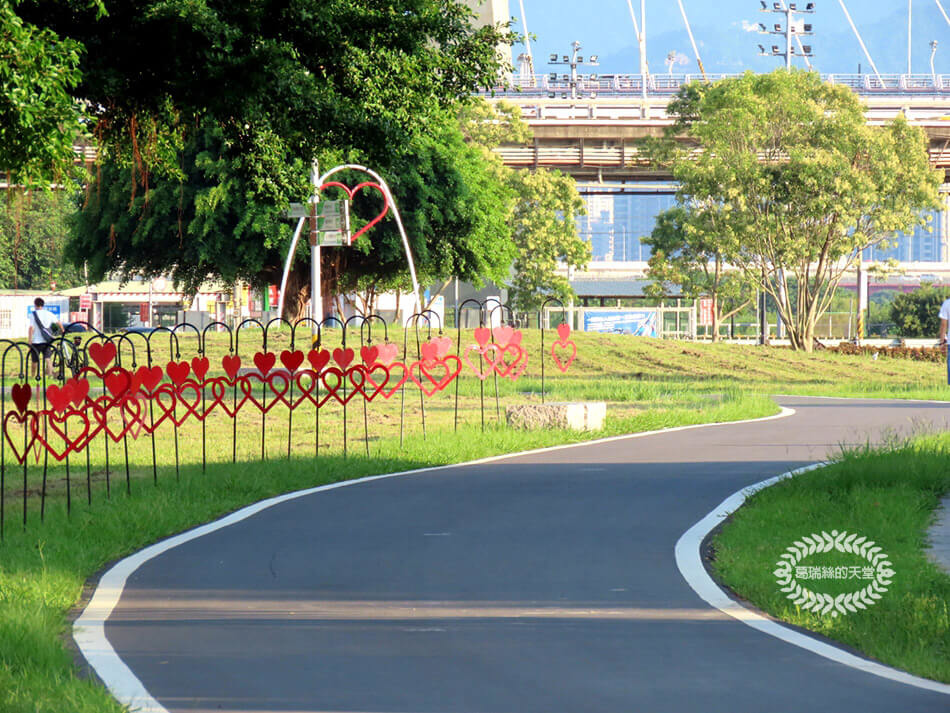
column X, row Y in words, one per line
column 836, row 49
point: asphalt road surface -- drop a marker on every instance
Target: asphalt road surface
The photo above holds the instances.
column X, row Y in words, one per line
column 537, row 583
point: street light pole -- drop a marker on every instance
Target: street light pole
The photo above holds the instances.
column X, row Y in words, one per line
column 933, row 51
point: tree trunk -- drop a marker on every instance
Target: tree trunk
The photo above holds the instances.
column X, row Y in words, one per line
column 715, row 318
column 297, row 293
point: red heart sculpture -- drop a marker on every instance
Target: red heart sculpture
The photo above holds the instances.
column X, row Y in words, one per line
column 387, row 353
column 443, row 345
column 133, row 413
column 21, row 396
column 200, row 366
column 563, row 364
column 496, row 355
column 368, row 386
column 59, row 396
column 351, row 192
column 394, row 386
column 118, row 381
column 219, row 392
column 336, row 389
column 264, row 361
column 480, row 350
column 318, row 358
column 101, row 411
column 503, row 335
column 427, row 370
column 563, row 332
column 291, row 360
column 307, row 382
column 178, row 372
column 102, row 353
column 343, row 357
column 279, row 394
column 482, row 336
column 57, row 425
column 79, row 389
column 429, row 351
column 369, row 355
column 149, row 376
column 231, row 365
column 27, row 418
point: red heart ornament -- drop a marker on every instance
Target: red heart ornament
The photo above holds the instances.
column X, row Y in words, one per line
column 219, row 393
column 79, row 389
column 336, row 389
column 368, row 385
column 443, row 345
column 563, row 332
column 55, row 437
column 564, row 363
column 149, row 376
column 59, row 396
column 433, row 382
column 200, row 366
column 369, row 355
column 343, row 357
column 318, row 358
column 102, row 353
column 21, row 396
column 118, row 382
column 482, row 336
column 480, row 350
column 429, row 351
column 387, row 353
column 178, row 372
column 231, row 364
column 503, row 358
column 264, row 361
column 351, row 192
column 27, row 418
column 394, row 386
column 291, row 360
column 503, row 335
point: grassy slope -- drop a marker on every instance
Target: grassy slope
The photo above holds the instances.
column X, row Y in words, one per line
column 650, row 384
column 886, row 495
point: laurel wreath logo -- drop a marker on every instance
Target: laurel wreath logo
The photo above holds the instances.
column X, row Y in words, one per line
column 841, row 542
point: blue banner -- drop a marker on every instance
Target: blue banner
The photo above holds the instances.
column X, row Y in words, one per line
column 638, row 322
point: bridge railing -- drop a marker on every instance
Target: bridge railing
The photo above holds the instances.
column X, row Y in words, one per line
column 591, row 85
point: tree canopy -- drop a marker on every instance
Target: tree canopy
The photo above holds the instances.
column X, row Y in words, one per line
column 687, row 254
column 791, row 183
column 209, row 113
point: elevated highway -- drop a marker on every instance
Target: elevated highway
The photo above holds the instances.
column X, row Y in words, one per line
column 593, row 134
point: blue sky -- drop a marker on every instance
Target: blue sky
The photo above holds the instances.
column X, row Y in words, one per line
column 725, row 44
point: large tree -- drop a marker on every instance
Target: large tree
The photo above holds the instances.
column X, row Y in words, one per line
column 687, row 254
column 208, row 114
column 796, row 183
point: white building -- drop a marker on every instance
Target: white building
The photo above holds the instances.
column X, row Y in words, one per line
column 16, row 308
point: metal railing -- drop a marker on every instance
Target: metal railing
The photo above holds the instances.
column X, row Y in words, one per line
column 625, row 85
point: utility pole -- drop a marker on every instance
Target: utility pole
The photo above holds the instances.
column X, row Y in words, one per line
column 572, row 60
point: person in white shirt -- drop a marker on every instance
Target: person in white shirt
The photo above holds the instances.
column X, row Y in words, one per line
column 40, row 334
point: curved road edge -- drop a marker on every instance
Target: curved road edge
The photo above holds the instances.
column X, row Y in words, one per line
column 89, row 628
column 688, row 552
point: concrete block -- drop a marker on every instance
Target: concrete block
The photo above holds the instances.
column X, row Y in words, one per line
column 575, row 415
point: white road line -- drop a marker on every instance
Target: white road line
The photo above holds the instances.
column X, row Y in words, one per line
column 89, row 628
column 689, row 560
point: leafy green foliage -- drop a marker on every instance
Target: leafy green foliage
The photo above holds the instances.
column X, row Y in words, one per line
column 545, row 232
column 793, row 183
column 39, row 118
column 683, row 254
column 33, row 229
column 915, row 314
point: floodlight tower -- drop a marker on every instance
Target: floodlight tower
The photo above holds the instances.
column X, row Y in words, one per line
column 573, row 61
column 793, row 29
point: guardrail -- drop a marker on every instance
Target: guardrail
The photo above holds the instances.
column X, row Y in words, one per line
column 592, row 85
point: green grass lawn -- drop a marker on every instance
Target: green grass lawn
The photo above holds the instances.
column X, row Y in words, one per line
column 886, row 495
column 648, row 384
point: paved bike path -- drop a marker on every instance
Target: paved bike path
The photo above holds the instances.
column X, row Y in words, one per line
column 544, row 582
